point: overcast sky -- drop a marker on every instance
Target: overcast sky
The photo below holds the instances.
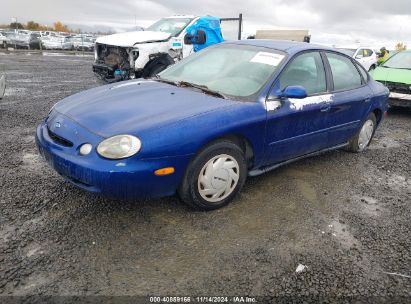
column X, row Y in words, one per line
column 370, row 22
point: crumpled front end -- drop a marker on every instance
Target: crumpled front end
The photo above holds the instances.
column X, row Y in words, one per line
column 114, row 63
column 400, row 94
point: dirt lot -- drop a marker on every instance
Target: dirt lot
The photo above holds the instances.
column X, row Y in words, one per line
column 345, row 216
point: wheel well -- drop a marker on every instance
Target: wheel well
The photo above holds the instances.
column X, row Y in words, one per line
column 156, row 59
column 378, row 115
column 240, row 141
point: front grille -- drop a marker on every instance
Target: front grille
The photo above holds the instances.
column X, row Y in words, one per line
column 59, row 140
column 398, row 87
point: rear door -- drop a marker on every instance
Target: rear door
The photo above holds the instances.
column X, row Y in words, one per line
column 298, row 126
column 351, row 97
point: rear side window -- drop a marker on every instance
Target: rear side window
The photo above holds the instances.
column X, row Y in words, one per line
column 365, row 52
column 364, row 74
column 305, row 70
column 345, row 74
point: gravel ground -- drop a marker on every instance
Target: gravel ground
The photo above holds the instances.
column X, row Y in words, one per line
column 344, row 216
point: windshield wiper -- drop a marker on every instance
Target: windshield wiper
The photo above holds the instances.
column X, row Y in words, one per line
column 388, row 67
column 203, row 88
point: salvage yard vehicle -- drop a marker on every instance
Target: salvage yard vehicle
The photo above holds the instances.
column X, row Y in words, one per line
column 146, row 53
column 82, row 43
column 35, row 41
column 19, row 39
column 203, row 125
column 52, row 42
column 367, row 56
column 4, row 40
column 395, row 74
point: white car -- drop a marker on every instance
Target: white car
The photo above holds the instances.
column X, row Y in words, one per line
column 52, row 43
column 146, row 53
column 4, row 40
column 367, row 56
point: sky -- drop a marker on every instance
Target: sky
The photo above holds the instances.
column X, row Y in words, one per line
column 372, row 23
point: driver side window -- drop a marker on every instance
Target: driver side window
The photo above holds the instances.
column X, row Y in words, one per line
column 306, row 70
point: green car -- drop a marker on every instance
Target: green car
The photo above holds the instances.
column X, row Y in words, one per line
column 395, row 74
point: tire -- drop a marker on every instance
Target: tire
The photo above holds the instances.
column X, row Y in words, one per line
column 222, row 183
column 156, row 69
column 364, row 136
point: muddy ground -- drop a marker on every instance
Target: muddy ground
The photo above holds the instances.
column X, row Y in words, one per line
column 344, row 216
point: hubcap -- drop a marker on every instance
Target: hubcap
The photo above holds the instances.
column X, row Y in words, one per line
column 365, row 134
column 218, row 178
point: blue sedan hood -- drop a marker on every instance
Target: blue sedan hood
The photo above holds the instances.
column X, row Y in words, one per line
column 132, row 106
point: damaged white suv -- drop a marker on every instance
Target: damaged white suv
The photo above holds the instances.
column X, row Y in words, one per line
column 146, row 53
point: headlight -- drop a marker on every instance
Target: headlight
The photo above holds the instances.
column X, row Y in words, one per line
column 119, row 146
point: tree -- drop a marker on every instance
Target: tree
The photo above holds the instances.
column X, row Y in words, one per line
column 33, row 26
column 16, row 25
column 60, row 27
column 400, row 46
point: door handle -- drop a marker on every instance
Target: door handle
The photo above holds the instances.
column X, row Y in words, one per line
column 325, row 108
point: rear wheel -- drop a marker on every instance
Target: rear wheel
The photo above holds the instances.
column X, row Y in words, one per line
column 214, row 177
column 363, row 138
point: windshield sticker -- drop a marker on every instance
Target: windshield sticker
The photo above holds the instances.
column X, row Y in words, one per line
column 267, row 58
column 299, row 104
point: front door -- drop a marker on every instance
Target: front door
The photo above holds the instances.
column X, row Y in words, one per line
column 297, row 126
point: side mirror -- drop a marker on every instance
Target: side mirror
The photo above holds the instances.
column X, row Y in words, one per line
column 298, row 92
column 198, row 38
column 359, row 57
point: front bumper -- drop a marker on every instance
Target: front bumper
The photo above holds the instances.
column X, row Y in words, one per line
column 121, row 179
column 103, row 71
column 400, row 99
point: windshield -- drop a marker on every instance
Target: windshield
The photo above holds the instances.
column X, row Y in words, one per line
column 400, row 60
column 349, row 52
column 173, row 26
column 233, row 70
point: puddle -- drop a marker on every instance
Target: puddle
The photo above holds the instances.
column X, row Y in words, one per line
column 384, row 143
column 341, row 233
column 399, row 181
column 22, row 80
column 369, row 205
column 32, row 162
column 300, row 173
column 32, row 282
column 33, row 249
column 14, row 91
column 307, row 190
column 6, row 231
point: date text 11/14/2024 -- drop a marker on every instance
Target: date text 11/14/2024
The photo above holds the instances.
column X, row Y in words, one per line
column 203, row 299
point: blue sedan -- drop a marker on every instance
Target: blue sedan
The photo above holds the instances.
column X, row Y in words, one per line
column 203, row 125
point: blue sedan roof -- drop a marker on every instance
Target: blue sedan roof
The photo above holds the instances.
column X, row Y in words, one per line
column 281, row 45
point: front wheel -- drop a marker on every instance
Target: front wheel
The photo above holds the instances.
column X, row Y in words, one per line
column 363, row 138
column 214, row 177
